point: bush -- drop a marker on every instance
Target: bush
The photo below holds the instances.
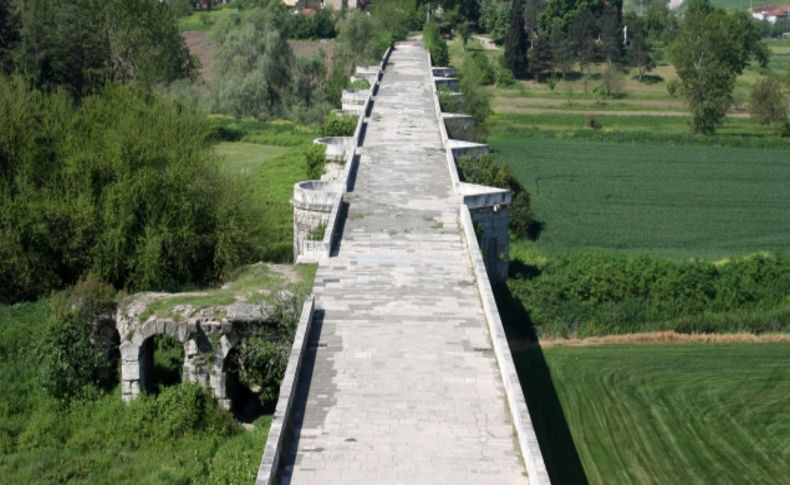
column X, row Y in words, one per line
column 597, row 294
column 504, row 77
column 767, row 104
column 338, row 125
column 73, row 357
column 320, row 25
column 359, row 85
column 440, row 56
column 483, row 170
column 477, row 69
column 315, row 161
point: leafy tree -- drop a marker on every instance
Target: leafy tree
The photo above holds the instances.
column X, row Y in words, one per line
column 9, row 33
column 711, row 49
column 532, row 11
column 494, row 18
column 583, row 32
column 611, row 32
column 562, row 51
column 541, row 57
column 638, row 51
column 122, row 185
column 435, row 44
column 767, row 102
column 516, row 42
column 83, row 44
column 254, row 63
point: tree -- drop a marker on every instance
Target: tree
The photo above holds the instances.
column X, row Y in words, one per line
column 516, row 42
column 532, row 10
column 541, row 59
column 767, row 102
column 9, row 33
column 254, row 64
column 611, row 33
column 494, row 16
column 638, row 52
column 83, row 44
column 711, row 49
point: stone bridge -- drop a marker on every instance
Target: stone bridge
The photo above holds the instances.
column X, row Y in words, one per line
column 400, row 372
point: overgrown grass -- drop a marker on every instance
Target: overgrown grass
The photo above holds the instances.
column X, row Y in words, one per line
column 178, row 437
column 670, row 414
column 674, row 201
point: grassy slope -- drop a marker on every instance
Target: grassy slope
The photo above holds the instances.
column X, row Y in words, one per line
column 675, row 201
column 691, row 413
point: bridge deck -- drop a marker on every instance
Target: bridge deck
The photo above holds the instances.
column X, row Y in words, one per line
column 400, row 384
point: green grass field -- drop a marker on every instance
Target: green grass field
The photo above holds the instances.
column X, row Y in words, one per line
column 668, row 414
column 674, row 201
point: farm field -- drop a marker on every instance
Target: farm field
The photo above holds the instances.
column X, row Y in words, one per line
column 674, row 201
column 669, row 414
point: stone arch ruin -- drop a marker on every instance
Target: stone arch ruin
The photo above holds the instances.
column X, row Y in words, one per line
column 207, row 335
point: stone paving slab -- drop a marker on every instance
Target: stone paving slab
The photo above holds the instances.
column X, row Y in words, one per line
column 400, row 383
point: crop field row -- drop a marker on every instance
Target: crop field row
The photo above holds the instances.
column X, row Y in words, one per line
column 669, row 414
column 674, row 201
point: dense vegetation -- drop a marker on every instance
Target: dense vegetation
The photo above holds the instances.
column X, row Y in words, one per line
column 120, row 185
column 181, row 435
column 598, row 294
column 671, row 414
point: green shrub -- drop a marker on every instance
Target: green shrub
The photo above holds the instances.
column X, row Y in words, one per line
column 359, row 85
column 73, row 358
column 478, row 69
column 483, row 170
column 449, row 102
column 504, row 77
column 317, row 234
column 767, row 105
column 436, row 46
column 598, row 294
column 315, row 161
column 338, row 125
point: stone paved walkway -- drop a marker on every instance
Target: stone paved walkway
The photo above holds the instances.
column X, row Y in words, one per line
column 400, row 384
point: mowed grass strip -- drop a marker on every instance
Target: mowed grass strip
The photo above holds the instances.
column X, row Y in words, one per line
column 673, row 201
column 669, row 414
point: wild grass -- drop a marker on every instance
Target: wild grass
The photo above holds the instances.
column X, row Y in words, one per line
column 670, row 414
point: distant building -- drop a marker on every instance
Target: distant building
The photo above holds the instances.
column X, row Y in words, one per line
column 771, row 14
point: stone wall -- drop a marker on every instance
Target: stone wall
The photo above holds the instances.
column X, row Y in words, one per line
column 313, row 202
column 491, row 227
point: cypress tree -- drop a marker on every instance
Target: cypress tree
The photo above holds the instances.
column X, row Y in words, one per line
column 516, row 42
